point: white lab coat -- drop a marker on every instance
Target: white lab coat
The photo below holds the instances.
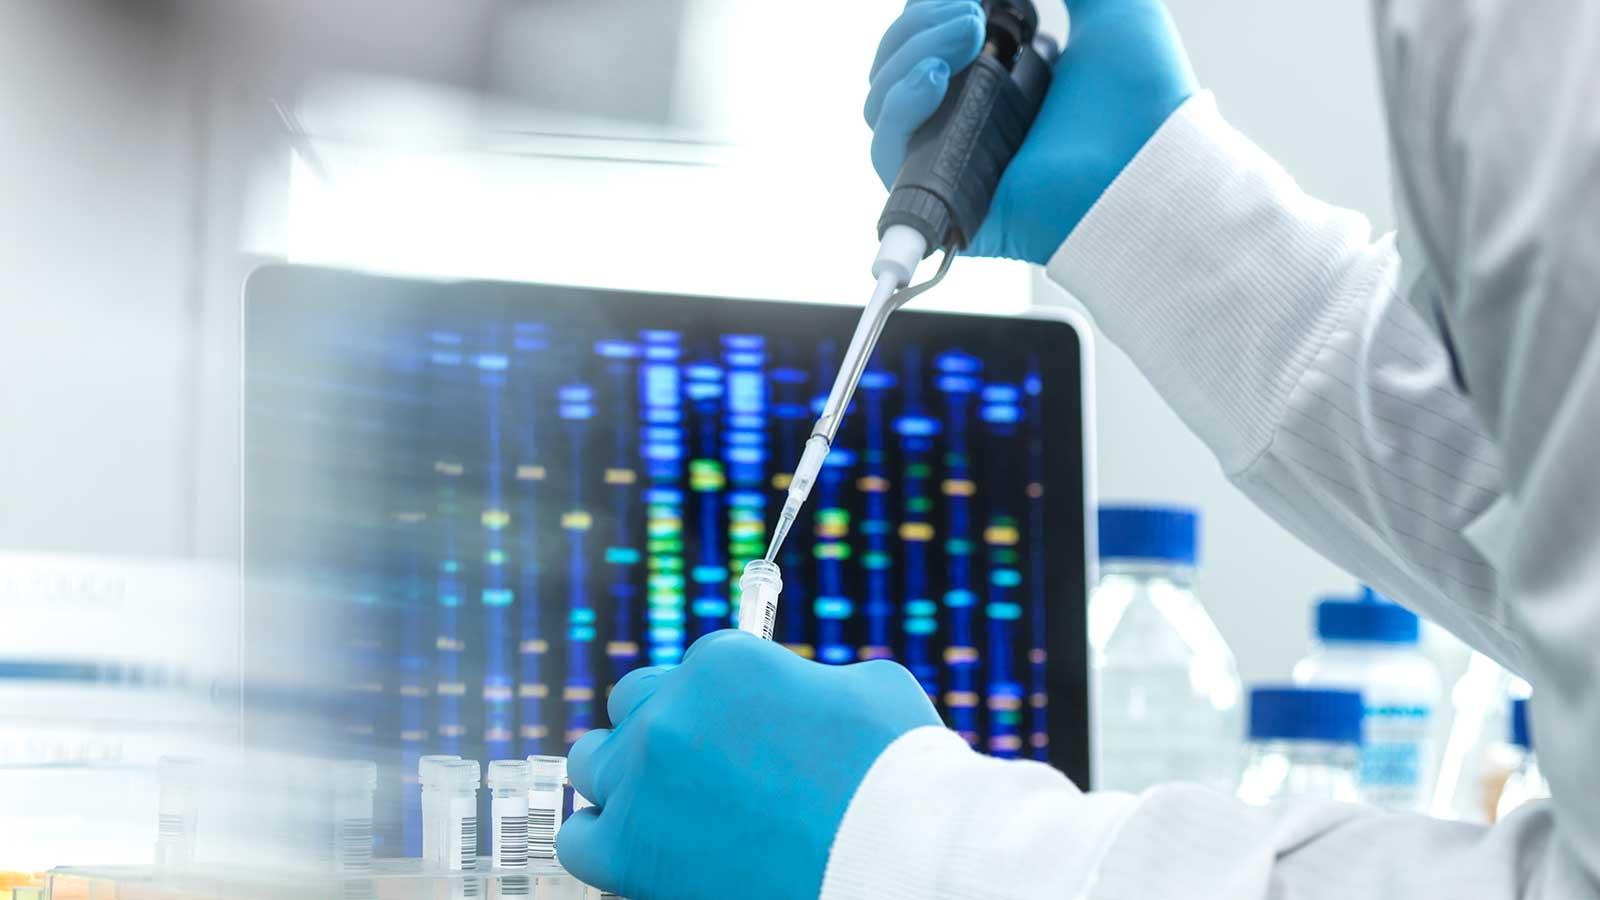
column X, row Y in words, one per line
column 1310, row 361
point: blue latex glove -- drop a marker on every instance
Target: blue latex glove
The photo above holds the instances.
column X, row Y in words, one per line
column 727, row 776
column 1122, row 73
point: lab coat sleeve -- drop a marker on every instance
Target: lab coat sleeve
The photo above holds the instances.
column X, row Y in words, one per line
column 934, row 820
column 1273, row 324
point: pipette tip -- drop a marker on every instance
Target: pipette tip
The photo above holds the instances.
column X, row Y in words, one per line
column 785, row 521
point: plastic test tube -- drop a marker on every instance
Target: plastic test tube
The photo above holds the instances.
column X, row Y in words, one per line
column 759, row 588
column 458, row 813
column 178, row 809
column 354, row 782
column 429, row 771
column 510, row 782
column 546, row 796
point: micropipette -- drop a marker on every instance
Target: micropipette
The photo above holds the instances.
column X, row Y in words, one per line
column 940, row 197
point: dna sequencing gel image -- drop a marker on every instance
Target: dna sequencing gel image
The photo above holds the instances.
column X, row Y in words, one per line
column 505, row 518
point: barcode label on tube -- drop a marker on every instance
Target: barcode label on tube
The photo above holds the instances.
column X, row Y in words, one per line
column 541, row 835
column 469, row 842
column 768, row 619
column 169, row 825
column 355, row 844
column 511, row 844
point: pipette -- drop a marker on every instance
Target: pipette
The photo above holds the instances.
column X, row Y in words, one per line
column 940, row 197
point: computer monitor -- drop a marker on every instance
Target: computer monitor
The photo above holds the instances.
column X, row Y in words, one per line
column 503, row 497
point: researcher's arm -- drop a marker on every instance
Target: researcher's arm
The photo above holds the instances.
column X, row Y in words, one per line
column 1271, row 322
column 1290, row 339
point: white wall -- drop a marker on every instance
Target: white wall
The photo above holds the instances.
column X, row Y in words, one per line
column 95, row 265
column 1300, row 79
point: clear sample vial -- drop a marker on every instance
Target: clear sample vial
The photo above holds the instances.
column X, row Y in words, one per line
column 759, row 588
column 353, row 785
column 178, row 809
column 428, row 774
column 458, row 813
column 510, row 781
column 1305, row 742
column 546, row 799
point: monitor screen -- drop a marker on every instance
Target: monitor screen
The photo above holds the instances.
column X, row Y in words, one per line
column 504, row 497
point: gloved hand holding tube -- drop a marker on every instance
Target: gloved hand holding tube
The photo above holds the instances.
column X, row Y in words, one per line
column 728, row 776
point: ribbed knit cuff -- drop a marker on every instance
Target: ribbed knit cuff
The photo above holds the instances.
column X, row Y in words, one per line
column 1216, row 274
column 934, row 820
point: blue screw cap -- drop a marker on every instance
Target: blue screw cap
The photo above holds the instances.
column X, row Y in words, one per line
column 1167, row 533
column 1305, row 714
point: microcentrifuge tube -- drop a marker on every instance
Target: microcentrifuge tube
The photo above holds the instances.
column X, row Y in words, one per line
column 428, row 775
column 178, row 809
column 759, row 588
column 458, row 813
column 510, row 782
column 354, row 783
column 546, row 799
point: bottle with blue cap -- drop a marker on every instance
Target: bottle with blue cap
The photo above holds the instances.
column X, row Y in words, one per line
column 1525, row 782
column 1166, row 689
column 1304, row 742
column 1371, row 645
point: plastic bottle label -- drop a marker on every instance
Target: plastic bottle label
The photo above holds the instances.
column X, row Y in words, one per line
column 1396, row 754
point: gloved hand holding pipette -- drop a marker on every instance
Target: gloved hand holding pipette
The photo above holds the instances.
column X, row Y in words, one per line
column 732, row 774
column 944, row 176
column 1118, row 79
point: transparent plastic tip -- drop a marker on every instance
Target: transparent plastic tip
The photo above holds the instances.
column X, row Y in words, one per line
column 791, row 508
column 759, row 588
column 805, row 475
